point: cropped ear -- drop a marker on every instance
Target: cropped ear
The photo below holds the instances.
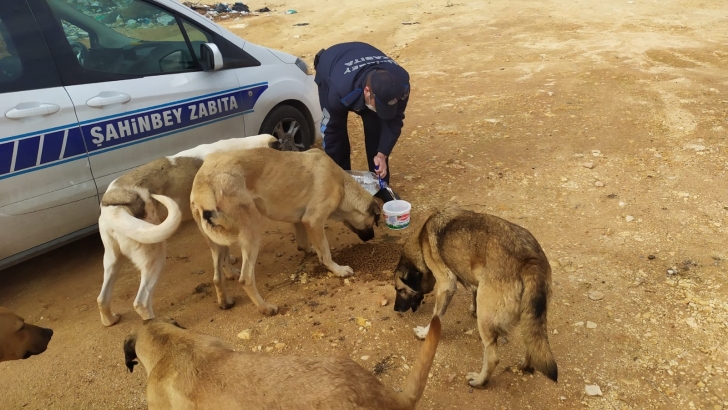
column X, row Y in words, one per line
column 275, row 144
column 174, row 322
column 130, row 352
column 375, row 208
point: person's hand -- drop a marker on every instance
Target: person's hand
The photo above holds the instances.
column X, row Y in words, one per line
column 380, row 165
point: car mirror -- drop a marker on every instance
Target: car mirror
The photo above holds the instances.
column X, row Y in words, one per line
column 210, row 57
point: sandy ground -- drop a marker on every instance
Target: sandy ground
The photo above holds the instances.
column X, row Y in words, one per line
column 600, row 126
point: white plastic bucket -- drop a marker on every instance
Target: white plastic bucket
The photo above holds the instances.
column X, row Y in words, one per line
column 397, row 214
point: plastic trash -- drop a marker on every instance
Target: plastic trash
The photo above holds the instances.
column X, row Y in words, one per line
column 165, row 19
column 222, row 8
column 241, row 7
column 291, row 11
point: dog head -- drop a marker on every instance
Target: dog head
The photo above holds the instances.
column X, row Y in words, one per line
column 362, row 223
column 411, row 285
column 20, row 340
column 130, row 341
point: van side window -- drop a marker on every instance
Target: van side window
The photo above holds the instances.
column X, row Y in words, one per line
column 10, row 65
column 197, row 37
column 124, row 37
column 25, row 62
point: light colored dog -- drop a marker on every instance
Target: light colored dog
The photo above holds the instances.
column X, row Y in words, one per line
column 233, row 189
column 131, row 211
column 500, row 263
column 186, row 370
column 20, row 340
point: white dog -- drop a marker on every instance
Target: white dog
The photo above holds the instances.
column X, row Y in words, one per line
column 131, row 213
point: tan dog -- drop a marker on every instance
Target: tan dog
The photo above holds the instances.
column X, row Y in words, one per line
column 232, row 190
column 186, row 370
column 19, row 340
column 503, row 266
column 131, row 211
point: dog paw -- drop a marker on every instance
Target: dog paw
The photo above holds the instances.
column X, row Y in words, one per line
column 307, row 250
column 233, row 260
column 268, row 310
column 234, row 274
column 526, row 368
column 421, row 332
column 343, row 271
column 475, row 381
column 110, row 320
column 227, row 304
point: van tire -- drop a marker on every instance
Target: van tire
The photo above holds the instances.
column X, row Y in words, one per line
column 290, row 126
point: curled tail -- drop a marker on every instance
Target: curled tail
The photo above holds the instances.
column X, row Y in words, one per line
column 142, row 231
column 417, row 378
column 536, row 292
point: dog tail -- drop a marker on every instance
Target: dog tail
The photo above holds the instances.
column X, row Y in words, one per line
column 143, row 231
column 417, row 378
column 536, row 292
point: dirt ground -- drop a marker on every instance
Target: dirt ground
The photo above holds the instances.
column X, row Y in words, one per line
column 600, row 126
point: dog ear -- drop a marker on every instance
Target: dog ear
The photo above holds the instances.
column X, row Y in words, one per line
column 174, row 322
column 375, row 208
column 276, row 145
column 130, row 352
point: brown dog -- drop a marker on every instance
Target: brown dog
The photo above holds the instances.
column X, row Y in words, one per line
column 143, row 208
column 19, row 340
column 503, row 266
column 233, row 189
column 186, row 370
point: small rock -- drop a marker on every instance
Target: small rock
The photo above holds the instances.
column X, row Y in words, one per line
column 592, row 390
column 363, row 322
column 365, row 358
column 383, row 302
column 597, row 153
column 651, row 257
column 671, row 272
column 591, row 325
column 579, row 324
column 347, row 282
column 245, row 334
column 280, row 346
column 629, row 218
column 556, row 332
column 691, row 322
column 451, row 377
column 469, row 332
column 599, row 184
column 589, row 165
column 596, row 295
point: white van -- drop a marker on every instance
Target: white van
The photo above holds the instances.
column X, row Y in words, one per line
column 90, row 89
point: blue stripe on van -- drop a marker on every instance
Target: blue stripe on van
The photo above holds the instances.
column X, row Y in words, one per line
column 6, row 156
column 27, row 156
column 30, row 152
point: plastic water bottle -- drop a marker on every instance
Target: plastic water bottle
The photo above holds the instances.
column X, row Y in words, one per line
column 382, row 184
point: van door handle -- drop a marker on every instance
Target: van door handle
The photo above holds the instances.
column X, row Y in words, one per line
column 108, row 98
column 32, row 109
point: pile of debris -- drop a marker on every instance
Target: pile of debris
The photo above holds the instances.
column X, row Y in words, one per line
column 224, row 10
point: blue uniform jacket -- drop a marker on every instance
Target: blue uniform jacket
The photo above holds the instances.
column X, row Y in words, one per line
column 341, row 77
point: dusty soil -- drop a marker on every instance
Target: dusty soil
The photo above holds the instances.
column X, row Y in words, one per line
column 600, row 126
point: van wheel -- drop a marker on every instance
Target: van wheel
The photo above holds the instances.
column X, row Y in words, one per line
column 290, row 127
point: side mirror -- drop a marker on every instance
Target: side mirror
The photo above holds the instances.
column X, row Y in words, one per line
column 210, row 57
